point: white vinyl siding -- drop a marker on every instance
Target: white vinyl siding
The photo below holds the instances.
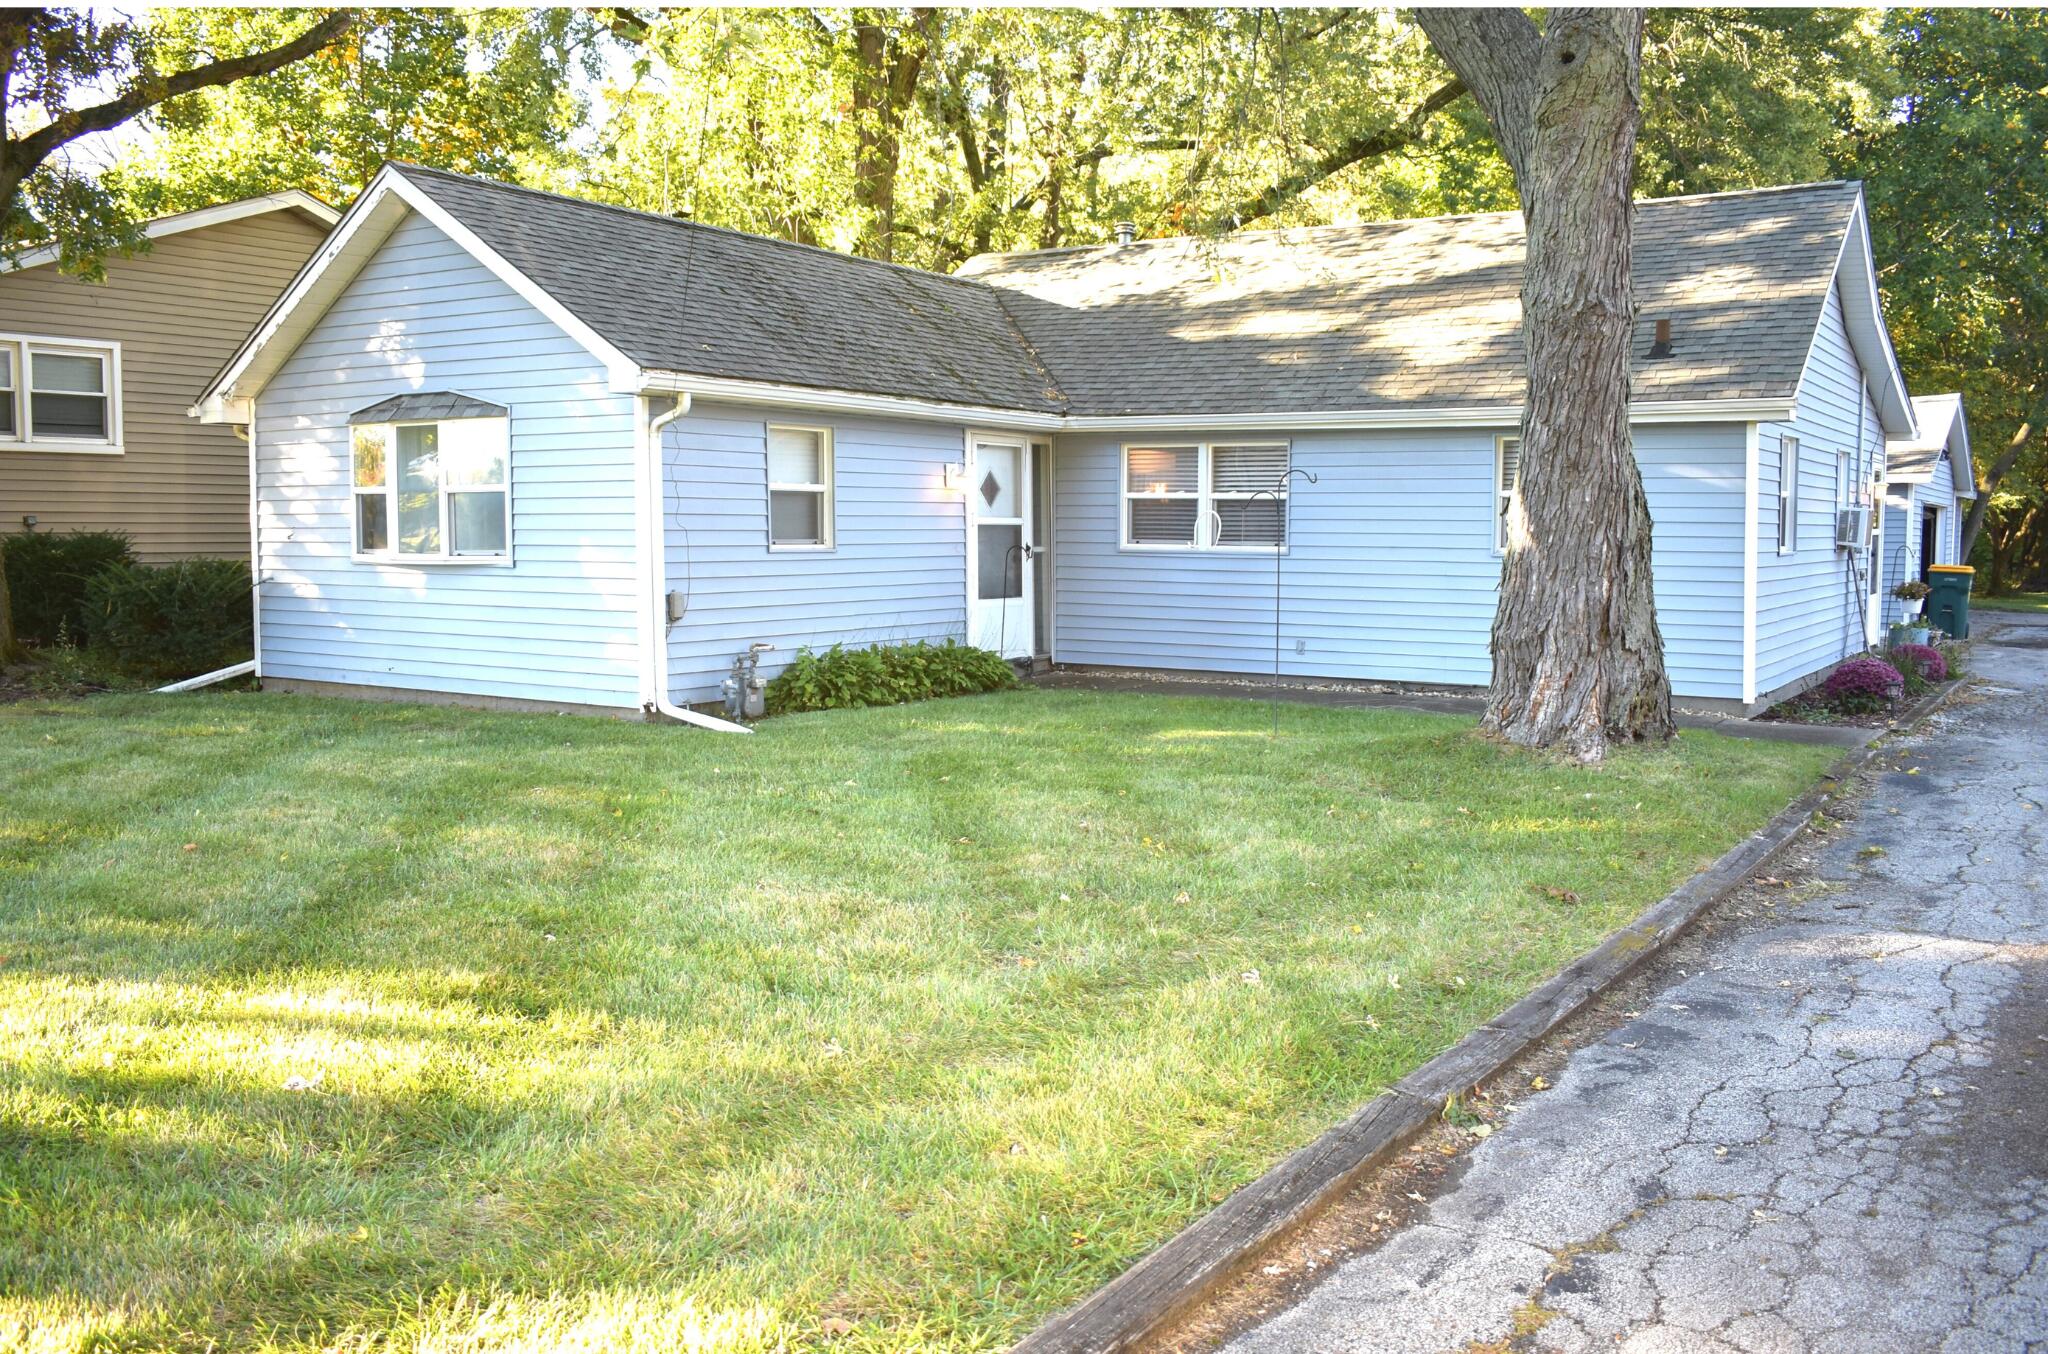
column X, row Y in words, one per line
column 557, row 623
column 1812, row 598
column 1389, row 572
column 897, row 572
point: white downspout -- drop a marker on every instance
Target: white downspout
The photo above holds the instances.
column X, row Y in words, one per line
column 654, row 575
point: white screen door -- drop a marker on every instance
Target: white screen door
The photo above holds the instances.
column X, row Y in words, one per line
column 999, row 591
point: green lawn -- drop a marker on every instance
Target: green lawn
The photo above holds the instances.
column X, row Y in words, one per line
column 924, row 1020
column 2010, row 601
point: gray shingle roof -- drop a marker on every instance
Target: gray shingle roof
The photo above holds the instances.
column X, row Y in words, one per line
column 1417, row 314
column 682, row 296
column 1391, row 315
column 1911, row 460
column 427, row 404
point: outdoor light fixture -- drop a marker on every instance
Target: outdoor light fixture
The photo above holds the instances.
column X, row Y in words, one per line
column 956, row 474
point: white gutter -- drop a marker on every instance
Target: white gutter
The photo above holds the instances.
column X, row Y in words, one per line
column 654, row 574
column 209, row 678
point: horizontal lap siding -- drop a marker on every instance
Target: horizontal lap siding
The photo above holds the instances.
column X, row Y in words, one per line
column 1808, row 611
column 1901, row 552
column 180, row 488
column 897, row 572
column 559, row 624
column 1391, row 574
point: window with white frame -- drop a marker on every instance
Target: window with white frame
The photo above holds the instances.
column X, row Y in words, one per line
column 1206, row 496
column 1788, row 495
column 432, row 490
column 799, row 488
column 1507, row 470
column 59, row 394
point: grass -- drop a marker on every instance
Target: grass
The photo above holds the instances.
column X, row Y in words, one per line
column 891, row 1029
column 2010, row 601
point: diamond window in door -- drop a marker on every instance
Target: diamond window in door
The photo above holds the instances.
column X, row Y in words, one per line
column 998, row 485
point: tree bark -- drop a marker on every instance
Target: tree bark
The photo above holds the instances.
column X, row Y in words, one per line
column 889, row 65
column 1578, row 661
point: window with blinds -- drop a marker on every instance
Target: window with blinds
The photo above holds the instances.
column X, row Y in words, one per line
column 799, row 488
column 1507, row 470
column 1206, row 496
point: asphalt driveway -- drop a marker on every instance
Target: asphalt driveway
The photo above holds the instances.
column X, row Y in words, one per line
column 1832, row 1136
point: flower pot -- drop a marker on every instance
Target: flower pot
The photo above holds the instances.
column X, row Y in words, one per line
column 1915, row 634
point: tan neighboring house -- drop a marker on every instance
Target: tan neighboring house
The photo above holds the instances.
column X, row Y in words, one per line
column 96, row 378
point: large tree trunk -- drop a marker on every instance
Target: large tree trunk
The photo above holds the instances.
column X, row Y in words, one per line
column 1577, row 658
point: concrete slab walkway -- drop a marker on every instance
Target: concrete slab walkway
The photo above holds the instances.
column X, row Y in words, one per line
column 1832, row 1136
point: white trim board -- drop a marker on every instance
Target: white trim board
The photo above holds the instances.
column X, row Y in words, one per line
column 291, row 200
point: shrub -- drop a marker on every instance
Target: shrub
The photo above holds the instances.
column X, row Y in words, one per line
column 46, row 574
column 173, row 620
column 1863, row 685
column 1920, row 660
column 846, row 679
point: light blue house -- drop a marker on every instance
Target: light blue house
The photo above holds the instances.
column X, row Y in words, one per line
column 1929, row 486
column 510, row 446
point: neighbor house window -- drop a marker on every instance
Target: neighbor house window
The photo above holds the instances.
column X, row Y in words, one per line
column 1507, row 470
column 1206, row 496
column 1788, row 495
column 799, row 488
column 432, row 490
column 59, row 394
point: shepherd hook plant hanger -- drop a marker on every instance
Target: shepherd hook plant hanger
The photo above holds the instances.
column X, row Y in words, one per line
column 1278, row 493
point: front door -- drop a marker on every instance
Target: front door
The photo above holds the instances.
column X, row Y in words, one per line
column 1930, row 524
column 999, row 546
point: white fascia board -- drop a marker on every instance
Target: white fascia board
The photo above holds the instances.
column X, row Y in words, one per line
column 846, row 401
column 1961, row 466
column 1472, row 416
column 363, row 228
column 1863, row 312
column 219, row 214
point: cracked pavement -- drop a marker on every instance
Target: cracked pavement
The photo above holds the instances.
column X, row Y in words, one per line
column 1830, row 1137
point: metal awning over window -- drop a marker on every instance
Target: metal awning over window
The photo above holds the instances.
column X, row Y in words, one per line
column 427, row 406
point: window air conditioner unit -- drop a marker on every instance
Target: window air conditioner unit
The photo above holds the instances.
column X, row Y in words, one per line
column 1852, row 528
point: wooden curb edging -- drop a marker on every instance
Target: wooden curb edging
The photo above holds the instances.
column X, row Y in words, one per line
column 1223, row 1242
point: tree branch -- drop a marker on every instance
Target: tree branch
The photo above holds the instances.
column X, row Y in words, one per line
column 1973, row 521
column 149, row 89
column 1365, row 146
column 1498, row 54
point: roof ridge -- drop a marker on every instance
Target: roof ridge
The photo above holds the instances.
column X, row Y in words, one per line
column 1276, row 231
column 686, row 224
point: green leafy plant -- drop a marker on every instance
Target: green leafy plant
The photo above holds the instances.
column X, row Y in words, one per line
column 1912, row 590
column 844, row 679
column 175, row 619
column 47, row 572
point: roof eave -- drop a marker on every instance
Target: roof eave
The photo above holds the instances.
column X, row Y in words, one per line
column 291, row 199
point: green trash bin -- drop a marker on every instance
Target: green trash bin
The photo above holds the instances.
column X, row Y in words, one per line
column 1948, row 606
